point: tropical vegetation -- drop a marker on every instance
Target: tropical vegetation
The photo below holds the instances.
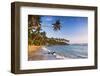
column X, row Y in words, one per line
column 36, row 37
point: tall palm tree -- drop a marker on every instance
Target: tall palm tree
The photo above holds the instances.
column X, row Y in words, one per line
column 57, row 25
column 34, row 23
column 43, row 37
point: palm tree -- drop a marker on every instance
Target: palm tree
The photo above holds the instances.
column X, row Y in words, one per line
column 34, row 27
column 34, row 22
column 57, row 25
column 43, row 37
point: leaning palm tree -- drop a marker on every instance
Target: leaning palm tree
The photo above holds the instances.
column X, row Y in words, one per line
column 34, row 22
column 57, row 25
column 34, row 27
column 43, row 38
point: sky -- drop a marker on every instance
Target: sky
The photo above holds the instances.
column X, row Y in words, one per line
column 73, row 28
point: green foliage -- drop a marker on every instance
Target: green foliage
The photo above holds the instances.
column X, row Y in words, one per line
column 53, row 41
column 35, row 37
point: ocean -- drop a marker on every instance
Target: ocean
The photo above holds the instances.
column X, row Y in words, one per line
column 72, row 51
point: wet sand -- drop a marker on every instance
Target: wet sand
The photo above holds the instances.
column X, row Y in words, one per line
column 37, row 53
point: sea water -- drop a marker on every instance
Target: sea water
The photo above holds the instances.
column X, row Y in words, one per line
column 73, row 51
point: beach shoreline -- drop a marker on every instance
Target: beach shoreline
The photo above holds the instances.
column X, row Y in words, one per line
column 40, row 53
column 57, row 52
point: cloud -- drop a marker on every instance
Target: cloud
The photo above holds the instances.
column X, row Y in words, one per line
column 48, row 18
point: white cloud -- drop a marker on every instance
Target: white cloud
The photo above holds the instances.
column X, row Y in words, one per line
column 48, row 18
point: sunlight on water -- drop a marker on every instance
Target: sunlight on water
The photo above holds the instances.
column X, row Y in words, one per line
column 69, row 51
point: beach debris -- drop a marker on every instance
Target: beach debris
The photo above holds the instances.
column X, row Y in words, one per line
column 51, row 52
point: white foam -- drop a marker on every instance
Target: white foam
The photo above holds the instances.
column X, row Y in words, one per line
column 57, row 55
column 60, row 57
column 44, row 48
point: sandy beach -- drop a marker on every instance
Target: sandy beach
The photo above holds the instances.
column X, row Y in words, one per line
column 60, row 52
column 33, row 48
column 33, row 52
column 38, row 53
